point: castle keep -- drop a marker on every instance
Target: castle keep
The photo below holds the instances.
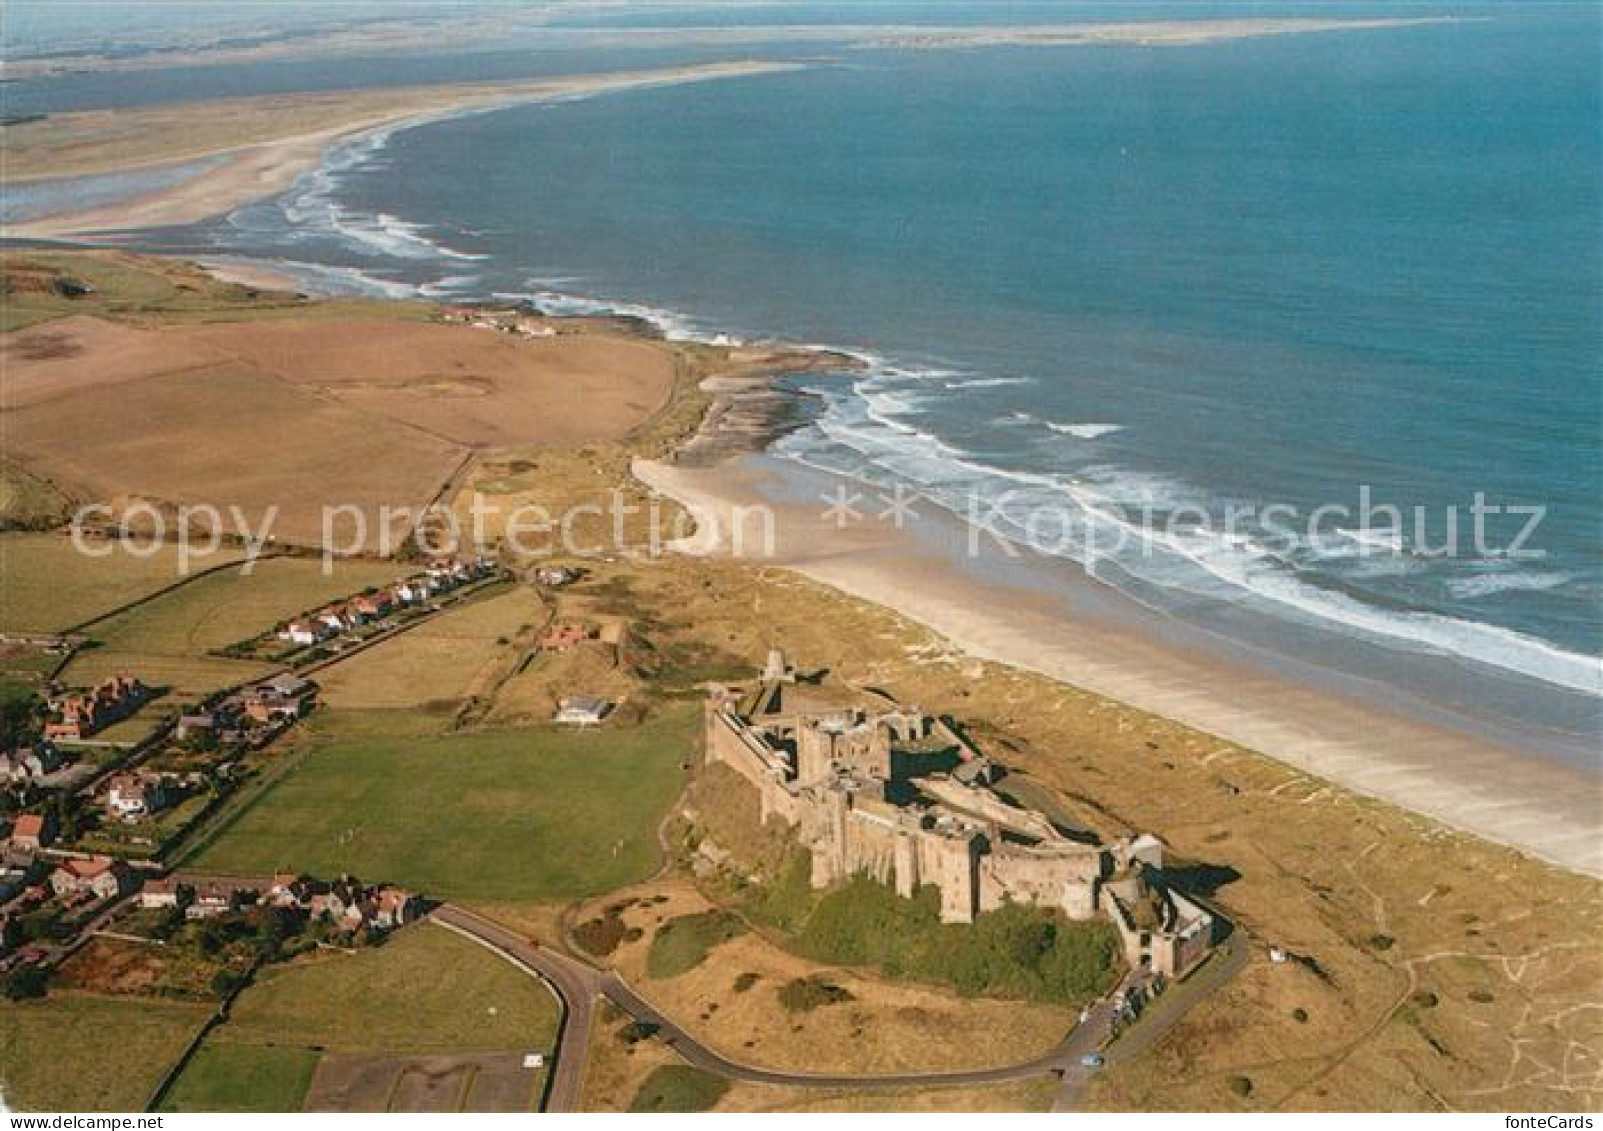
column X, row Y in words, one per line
column 871, row 787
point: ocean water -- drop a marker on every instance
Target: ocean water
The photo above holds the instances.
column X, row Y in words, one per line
column 1118, row 301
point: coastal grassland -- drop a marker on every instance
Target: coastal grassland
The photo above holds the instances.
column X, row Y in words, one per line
column 463, row 653
column 589, row 487
column 38, row 287
column 1379, row 904
column 514, row 816
column 246, row 441
column 46, row 585
column 682, row 944
column 28, row 502
column 81, row 1052
column 425, row 990
column 224, row 1076
column 734, row 998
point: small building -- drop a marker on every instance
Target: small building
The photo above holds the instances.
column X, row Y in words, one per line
column 563, row 636
column 159, row 893
column 582, row 710
column 200, row 724
column 33, row 831
column 304, row 632
column 555, row 577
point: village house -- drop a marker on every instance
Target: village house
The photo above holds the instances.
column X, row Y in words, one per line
column 78, row 716
column 873, row 788
column 372, row 606
column 305, row 632
column 98, row 876
column 159, row 893
column 32, row 831
column 137, row 794
column 285, row 696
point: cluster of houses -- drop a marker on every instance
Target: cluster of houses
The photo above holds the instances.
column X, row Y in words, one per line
column 441, row 576
column 505, row 322
column 78, row 715
column 273, row 703
column 345, row 904
column 29, row 765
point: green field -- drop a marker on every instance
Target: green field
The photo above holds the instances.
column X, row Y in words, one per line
column 507, row 816
column 234, row 1077
column 225, row 607
column 47, row 585
column 425, row 990
column 78, row 1052
column 166, row 641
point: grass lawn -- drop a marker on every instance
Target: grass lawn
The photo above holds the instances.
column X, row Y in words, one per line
column 426, row 990
column 47, row 585
column 231, row 1077
column 48, row 1046
column 678, row 1087
column 507, row 816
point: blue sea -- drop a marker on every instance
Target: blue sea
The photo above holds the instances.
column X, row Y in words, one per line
column 1117, row 300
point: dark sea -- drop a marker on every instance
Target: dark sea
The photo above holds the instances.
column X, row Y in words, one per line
column 1118, row 301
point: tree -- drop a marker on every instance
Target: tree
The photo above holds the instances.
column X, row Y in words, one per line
column 26, row 981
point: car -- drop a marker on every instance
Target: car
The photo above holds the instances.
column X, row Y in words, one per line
column 1092, row 1060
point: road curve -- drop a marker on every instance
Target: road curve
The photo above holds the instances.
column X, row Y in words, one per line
column 580, row 986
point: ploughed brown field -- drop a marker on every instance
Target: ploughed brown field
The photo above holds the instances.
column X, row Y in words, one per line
column 365, row 412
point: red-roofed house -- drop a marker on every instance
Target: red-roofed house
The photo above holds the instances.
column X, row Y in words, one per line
column 32, row 830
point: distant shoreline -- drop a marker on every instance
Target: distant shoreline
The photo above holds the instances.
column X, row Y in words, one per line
column 251, row 170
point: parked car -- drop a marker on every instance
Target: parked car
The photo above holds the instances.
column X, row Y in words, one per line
column 1092, row 1060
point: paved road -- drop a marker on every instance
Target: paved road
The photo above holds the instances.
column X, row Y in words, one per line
column 579, row 986
column 576, row 986
column 1160, row 1016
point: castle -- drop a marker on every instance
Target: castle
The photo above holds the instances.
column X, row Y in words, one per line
column 870, row 787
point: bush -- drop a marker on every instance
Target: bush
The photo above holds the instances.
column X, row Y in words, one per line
column 1241, row 1086
column 601, row 935
column 745, row 982
column 677, row 1087
column 807, row 994
column 681, row 944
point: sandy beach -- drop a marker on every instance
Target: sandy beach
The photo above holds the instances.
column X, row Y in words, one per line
column 263, row 143
column 1472, row 784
